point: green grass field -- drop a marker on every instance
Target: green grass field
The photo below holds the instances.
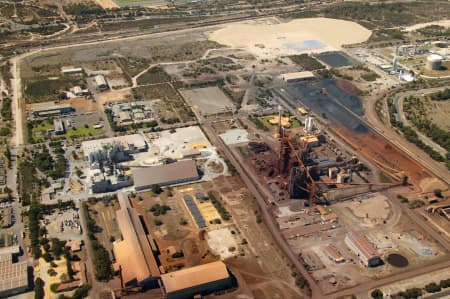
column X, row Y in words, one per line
column 39, row 132
column 83, row 132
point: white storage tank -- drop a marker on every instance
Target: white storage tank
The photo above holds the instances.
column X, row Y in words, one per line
column 434, row 62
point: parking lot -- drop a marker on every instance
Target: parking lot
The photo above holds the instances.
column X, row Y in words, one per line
column 64, row 225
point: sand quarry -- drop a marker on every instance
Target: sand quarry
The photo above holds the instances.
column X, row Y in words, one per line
column 270, row 38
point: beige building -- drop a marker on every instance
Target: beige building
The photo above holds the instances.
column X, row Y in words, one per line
column 199, row 280
column 134, row 254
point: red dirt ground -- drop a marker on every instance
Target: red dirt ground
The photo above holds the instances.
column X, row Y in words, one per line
column 379, row 150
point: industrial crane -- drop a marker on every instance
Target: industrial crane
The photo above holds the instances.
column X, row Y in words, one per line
column 285, row 163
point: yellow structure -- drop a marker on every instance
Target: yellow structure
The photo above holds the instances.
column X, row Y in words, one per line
column 285, row 121
column 302, row 110
column 310, row 140
column 208, row 210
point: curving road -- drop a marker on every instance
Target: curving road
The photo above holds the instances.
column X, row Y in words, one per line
column 415, row 153
column 398, row 102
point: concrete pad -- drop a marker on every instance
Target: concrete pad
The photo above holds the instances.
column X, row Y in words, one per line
column 234, row 136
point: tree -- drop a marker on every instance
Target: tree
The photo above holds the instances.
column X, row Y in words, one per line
column 39, row 289
column 432, row 288
column 377, row 294
column 438, row 193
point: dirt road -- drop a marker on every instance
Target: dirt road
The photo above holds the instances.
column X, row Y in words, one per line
column 17, row 105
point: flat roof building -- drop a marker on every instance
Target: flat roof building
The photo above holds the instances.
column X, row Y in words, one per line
column 71, row 70
column 50, row 108
column 167, row 174
column 298, row 76
column 101, row 83
column 134, row 254
column 13, row 276
column 359, row 244
column 198, row 280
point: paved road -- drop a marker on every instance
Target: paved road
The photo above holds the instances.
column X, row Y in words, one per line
column 18, row 227
column 17, row 100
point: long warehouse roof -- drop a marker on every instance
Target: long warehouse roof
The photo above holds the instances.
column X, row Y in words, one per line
column 194, row 276
column 167, row 173
column 134, row 253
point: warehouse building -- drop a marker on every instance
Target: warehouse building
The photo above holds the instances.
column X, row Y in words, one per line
column 101, row 83
column 333, row 254
column 58, row 126
column 163, row 175
column 199, row 280
column 13, row 276
column 135, row 256
column 71, row 70
column 298, row 76
column 359, row 244
column 50, row 108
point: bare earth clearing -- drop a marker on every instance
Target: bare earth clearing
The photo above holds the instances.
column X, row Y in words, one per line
column 270, row 38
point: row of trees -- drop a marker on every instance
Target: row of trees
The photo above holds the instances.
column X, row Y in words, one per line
column 102, row 262
column 441, row 95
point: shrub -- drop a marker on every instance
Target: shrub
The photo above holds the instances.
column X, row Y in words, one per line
column 432, row 288
column 377, row 294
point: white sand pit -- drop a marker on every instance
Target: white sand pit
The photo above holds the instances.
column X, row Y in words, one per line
column 223, row 243
column 294, row 37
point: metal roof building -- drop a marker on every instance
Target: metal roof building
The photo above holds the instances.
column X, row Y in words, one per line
column 13, row 276
column 134, row 253
column 167, row 174
column 101, row 82
column 50, row 108
column 199, row 280
column 363, row 249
